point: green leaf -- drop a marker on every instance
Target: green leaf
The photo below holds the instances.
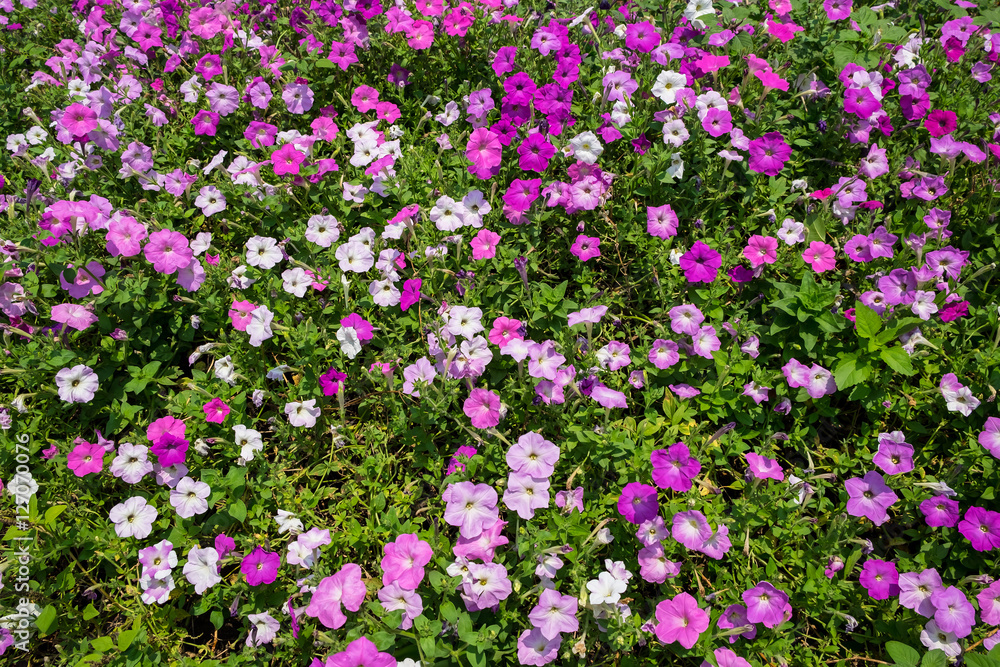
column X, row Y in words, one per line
column 935, row 658
column 903, row 655
column 850, row 370
column 90, row 612
column 52, row 513
column 126, row 637
column 46, row 621
column 898, row 360
column 102, row 644
column 238, row 510
column 867, row 320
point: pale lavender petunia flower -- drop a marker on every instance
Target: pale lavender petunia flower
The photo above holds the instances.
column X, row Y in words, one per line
column 202, row 568
column 133, row 518
column 533, row 455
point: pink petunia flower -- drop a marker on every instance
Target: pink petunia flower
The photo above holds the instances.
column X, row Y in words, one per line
column 680, row 620
column 820, row 257
column 482, row 407
column 216, row 411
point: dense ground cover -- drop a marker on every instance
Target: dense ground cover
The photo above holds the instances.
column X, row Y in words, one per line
column 499, row 333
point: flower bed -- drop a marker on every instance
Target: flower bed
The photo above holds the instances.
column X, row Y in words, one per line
column 493, row 333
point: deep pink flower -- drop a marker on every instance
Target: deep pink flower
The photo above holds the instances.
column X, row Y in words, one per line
column 78, row 119
column 762, row 467
column 535, row 153
column 240, row 314
column 484, row 151
column 86, row 458
column 941, row 122
column 484, row 245
column 410, row 294
column 941, row 512
column 216, row 411
column 680, row 620
column 287, row 160
column 344, row 588
column 761, row 250
column 331, row 381
column 820, row 257
column 205, row 123
column 700, row 264
column 483, row 408
column 361, row 652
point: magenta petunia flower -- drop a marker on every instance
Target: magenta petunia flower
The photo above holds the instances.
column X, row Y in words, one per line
column 205, row 123
column 700, row 264
column 410, row 294
column 769, row 153
column 260, row 566
column 638, row 502
column 484, row 151
column 170, row 449
column 680, row 620
column 78, row 119
column 287, row 160
column 735, row 616
column 586, row 247
column 404, row 561
column 674, row 468
column 894, row 456
column 216, row 411
column 941, row 122
column 767, row 604
column 761, row 250
column 332, row 381
column 86, row 458
column 870, row 497
column 820, row 257
column 880, row 579
column 535, row 153
column 941, row 512
column 762, row 467
column 981, row 527
column 361, row 652
column 482, row 407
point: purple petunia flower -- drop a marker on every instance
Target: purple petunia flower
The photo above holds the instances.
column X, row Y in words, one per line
column 674, row 468
column 638, row 502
